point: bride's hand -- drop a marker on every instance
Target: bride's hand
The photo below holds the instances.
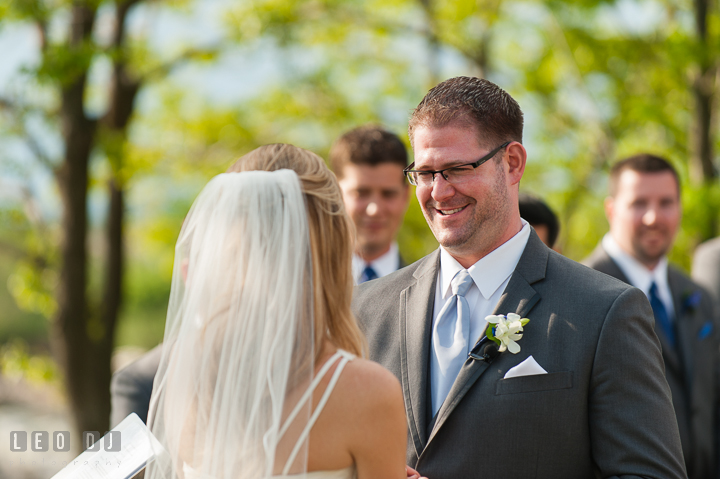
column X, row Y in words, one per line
column 412, row 473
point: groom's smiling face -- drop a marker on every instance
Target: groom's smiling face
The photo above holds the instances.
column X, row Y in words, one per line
column 471, row 218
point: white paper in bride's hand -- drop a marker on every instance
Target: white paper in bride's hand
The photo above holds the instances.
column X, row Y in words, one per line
column 529, row 367
column 138, row 447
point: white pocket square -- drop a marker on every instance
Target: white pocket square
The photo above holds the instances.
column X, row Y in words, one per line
column 529, row 367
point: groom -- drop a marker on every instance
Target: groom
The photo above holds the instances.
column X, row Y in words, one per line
column 584, row 396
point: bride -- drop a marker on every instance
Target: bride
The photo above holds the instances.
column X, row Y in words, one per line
column 262, row 375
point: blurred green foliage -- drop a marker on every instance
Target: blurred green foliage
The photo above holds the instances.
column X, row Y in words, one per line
column 32, row 289
column 17, row 361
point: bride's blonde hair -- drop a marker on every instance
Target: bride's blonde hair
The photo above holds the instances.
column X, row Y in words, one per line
column 331, row 240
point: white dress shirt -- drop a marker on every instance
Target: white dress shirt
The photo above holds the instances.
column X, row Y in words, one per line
column 490, row 276
column 639, row 275
column 383, row 266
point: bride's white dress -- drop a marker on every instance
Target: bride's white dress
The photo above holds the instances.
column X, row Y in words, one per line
column 342, row 358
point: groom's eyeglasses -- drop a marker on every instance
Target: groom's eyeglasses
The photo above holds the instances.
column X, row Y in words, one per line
column 454, row 175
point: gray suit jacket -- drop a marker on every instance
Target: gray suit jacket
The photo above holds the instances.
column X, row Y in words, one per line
column 131, row 387
column 691, row 369
column 604, row 409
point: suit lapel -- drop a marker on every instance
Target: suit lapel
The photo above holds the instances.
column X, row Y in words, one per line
column 684, row 329
column 469, row 374
column 519, row 297
column 416, row 312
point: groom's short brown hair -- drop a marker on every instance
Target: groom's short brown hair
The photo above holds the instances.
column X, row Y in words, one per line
column 470, row 102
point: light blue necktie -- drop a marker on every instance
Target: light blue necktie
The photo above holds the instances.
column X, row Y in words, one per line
column 450, row 338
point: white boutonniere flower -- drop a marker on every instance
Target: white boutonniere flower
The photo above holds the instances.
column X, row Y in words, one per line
column 506, row 330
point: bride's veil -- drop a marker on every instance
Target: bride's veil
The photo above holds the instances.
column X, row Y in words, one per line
column 238, row 347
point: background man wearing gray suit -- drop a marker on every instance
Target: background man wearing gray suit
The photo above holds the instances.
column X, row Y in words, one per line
column 584, row 396
column 644, row 211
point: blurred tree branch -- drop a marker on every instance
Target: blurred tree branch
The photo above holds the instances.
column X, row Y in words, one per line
column 38, row 152
column 13, row 250
column 161, row 71
column 31, row 142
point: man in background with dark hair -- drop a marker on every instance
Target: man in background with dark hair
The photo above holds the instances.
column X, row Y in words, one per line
column 368, row 162
column 644, row 212
column 536, row 212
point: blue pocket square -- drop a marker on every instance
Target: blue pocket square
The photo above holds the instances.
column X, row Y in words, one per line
column 705, row 330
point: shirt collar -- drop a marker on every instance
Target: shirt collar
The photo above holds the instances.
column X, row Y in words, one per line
column 384, row 265
column 637, row 273
column 491, row 271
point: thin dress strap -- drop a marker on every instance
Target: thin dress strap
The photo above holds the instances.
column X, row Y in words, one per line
column 308, row 393
column 345, row 358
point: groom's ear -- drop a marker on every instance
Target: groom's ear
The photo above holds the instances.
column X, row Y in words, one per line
column 515, row 159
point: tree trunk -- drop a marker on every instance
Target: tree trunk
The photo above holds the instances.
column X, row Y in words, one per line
column 480, row 56
column 433, row 44
column 703, row 86
column 112, row 295
column 85, row 338
column 123, row 91
column 702, row 168
column 71, row 342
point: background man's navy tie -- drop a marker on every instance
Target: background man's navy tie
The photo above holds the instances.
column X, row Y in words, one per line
column 662, row 318
column 368, row 274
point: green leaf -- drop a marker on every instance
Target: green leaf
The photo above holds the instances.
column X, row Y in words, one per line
column 491, row 336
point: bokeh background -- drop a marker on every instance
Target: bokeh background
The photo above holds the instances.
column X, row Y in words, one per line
column 114, row 114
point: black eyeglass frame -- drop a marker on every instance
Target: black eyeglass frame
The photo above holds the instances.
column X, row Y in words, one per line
column 474, row 164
